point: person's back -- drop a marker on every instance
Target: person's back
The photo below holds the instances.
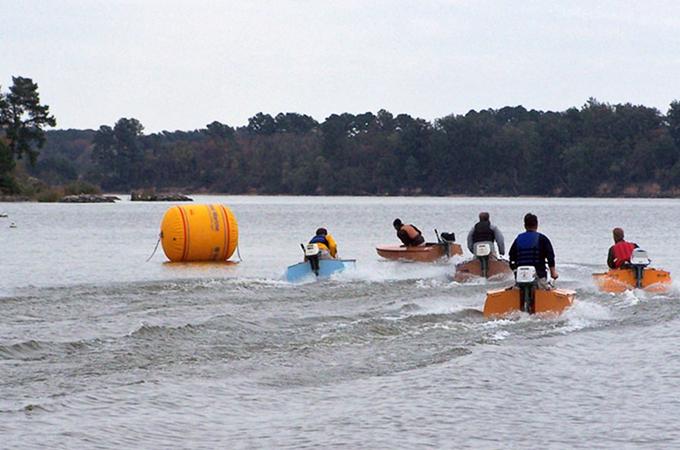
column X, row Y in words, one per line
column 326, row 243
column 532, row 248
column 619, row 254
column 484, row 231
column 409, row 235
column 527, row 252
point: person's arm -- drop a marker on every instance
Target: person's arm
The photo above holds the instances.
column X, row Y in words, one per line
column 610, row 258
column 469, row 240
column 332, row 245
column 549, row 255
column 403, row 237
column 512, row 255
column 500, row 240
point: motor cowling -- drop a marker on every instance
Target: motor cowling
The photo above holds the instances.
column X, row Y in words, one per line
column 639, row 258
column 482, row 248
column 525, row 275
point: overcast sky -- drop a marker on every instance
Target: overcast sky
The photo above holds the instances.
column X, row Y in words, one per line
column 182, row 64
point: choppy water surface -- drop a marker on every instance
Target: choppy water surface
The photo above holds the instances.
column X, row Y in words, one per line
column 99, row 348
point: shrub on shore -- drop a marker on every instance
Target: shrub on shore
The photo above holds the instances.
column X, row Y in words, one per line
column 81, row 187
column 49, row 195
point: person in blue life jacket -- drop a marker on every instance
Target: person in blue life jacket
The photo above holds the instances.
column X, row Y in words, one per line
column 532, row 248
column 484, row 231
column 326, row 243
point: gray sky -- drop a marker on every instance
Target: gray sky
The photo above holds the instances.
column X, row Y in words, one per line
column 182, row 64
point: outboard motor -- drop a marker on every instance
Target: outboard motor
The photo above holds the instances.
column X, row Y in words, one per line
column 525, row 279
column 447, row 239
column 638, row 261
column 312, row 254
column 482, row 251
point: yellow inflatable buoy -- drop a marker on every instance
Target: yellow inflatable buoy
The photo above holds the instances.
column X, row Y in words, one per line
column 199, row 233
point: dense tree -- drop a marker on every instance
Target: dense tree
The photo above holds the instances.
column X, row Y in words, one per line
column 7, row 182
column 597, row 149
column 262, row 124
column 119, row 153
column 220, row 131
column 22, row 119
column 294, row 123
column 674, row 121
column 55, row 170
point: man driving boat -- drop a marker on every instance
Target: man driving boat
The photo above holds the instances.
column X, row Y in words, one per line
column 484, row 231
column 326, row 243
column 409, row 235
column 620, row 253
column 532, row 248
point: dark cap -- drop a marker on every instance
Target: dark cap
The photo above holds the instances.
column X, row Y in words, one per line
column 530, row 221
column 321, row 232
column 397, row 223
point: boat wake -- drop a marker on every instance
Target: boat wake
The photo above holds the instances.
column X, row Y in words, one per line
column 385, row 271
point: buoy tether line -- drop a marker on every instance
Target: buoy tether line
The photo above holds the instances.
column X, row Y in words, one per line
column 160, row 236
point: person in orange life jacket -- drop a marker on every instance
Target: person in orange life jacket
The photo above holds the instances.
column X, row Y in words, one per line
column 620, row 253
column 326, row 243
column 532, row 248
column 483, row 231
column 409, row 235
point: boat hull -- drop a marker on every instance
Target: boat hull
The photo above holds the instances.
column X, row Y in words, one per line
column 327, row 267
column 502, row 302
column 620, row 280
column 498, row 268
column 429, row 252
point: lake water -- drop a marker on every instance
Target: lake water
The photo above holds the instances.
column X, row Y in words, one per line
column 101, row 349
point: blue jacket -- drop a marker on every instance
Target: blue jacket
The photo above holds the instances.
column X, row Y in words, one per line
column 532, row 248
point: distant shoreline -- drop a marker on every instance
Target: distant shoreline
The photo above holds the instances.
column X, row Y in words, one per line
column 126, row 197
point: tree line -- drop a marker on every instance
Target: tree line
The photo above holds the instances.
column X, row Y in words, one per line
column 22, row 119
column 598, row 149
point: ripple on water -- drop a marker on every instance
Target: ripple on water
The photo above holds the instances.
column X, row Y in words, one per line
column 220, row 356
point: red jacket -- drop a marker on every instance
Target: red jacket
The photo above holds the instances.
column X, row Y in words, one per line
column 622, row 251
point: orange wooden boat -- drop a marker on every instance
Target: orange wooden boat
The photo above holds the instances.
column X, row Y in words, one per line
column 637, row 275
column 502, row 302
column 527, row 297
column 491, row 267
column 619, row 280
column 429, row 252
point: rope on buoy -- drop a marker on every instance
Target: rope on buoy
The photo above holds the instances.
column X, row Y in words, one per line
column 160, row 236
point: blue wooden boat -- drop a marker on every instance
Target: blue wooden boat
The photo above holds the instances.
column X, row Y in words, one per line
column 327, row 267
